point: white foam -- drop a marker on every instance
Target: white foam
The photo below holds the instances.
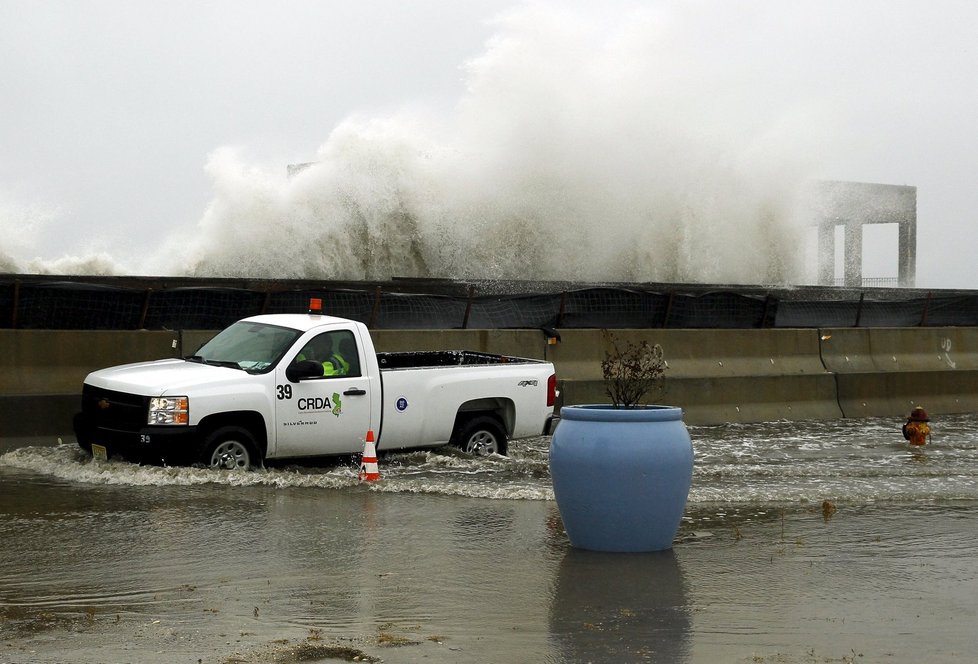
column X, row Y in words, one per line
column 67, row 462
column 574, row 139
column 425, row 472
column 617, row 139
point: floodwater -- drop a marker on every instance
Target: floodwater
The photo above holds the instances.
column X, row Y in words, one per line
column 802, row 542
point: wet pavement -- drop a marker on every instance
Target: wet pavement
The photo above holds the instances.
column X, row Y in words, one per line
column 111, row 562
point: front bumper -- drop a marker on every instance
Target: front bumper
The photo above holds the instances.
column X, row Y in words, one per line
column 156, row 444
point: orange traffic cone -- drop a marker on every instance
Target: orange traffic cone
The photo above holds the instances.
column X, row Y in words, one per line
column 368, row 465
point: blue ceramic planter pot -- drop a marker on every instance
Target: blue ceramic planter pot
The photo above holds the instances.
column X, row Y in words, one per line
column 621, row 476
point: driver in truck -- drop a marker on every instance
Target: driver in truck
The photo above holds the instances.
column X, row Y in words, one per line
column 321, row 350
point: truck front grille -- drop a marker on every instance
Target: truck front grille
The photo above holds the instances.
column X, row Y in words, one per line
column 114, row 410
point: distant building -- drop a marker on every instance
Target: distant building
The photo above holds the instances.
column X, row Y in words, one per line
column 853, row 204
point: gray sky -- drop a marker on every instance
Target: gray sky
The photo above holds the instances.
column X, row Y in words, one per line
column 130, row 129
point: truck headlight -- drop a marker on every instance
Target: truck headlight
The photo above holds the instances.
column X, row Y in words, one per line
column 169, row 410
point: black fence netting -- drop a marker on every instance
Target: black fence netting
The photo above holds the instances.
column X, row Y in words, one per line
column 200, row 308
column 952, row 311
column 612, row 308
column 514, row 311
column 725, row 310
column 7, row 316
column 891, row 314
column 344, row 303
column 77, row 303
column 69, row 305
column 413, row 312
column 816, row 313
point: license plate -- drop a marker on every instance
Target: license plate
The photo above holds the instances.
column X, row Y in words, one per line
column 99, row 453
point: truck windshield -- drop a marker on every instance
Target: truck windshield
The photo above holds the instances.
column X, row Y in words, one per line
column 254, row 347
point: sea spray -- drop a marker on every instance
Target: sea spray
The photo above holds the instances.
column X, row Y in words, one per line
column 586, row 146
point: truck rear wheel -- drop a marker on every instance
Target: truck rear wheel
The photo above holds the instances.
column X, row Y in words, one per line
column 480, row 436
column 231, row 448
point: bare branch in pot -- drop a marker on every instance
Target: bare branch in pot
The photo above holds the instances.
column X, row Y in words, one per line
column 631, row 371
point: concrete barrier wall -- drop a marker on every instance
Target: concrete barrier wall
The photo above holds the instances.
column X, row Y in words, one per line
column 868, row 350
column 732, row 398
column 894, row 394
column 56, row 361
column 41, row 372
column 522, row 343
column 886, row 371
column 699, row 353
column 714, row 375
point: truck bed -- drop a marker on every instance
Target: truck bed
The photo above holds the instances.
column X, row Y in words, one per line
column 444, row 358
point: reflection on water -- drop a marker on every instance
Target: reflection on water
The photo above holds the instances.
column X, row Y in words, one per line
column 620, row 607
column 213, row 568
column 877, row 582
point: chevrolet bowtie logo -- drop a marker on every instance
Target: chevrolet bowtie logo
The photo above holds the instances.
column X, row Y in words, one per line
column 103, row 403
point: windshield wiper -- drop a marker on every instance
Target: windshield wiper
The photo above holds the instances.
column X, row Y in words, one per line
column 223, row 363
column 214, row 363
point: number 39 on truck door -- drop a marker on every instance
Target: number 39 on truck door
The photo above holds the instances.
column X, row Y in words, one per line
column 322, row 414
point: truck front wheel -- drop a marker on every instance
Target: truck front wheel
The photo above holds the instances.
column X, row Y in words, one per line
column 480, row 436
column 231, row 448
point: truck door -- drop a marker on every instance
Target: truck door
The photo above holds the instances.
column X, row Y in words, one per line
column 327, row 415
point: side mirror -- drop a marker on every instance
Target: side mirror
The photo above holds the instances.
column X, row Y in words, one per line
column 304, row 369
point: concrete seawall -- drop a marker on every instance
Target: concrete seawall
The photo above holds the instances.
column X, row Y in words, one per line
column 714, row 375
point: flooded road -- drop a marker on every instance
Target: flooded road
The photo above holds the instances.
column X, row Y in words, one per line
column 454, row 559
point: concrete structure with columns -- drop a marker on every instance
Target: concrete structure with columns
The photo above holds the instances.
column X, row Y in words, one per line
column 853, row 204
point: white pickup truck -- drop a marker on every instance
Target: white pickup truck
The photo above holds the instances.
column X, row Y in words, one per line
column 304, row 385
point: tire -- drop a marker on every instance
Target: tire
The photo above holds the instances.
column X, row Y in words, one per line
column 480, row 436
column 231, row 448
